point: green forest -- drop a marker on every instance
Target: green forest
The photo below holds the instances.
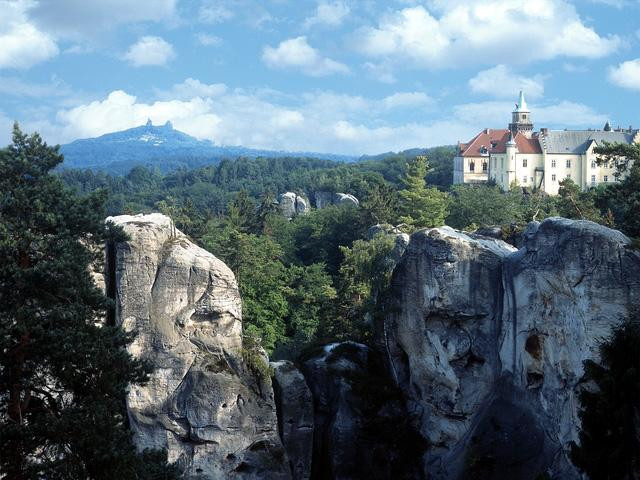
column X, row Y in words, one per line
column 316, row 277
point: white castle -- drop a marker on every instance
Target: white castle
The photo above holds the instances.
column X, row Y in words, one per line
column 537, row 160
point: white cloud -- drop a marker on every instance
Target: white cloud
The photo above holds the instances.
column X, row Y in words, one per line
column 496, row 114
column 192, row 88
column 149, row 51
column 22, row 45
column 501, row 82
column 351, row 124
column 626, row 74
column 328, row 13
column 382, row 72
column 470, row 32
column 80, row 18
column 297, row 53
column 407, row 100
column 120, row 111
column 208, row 40
column 215, row 11
column 18, row 87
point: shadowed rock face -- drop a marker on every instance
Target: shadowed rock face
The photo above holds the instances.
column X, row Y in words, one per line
column 487, row 343
column 216, row 419
column 361, row 423
column 295, row 417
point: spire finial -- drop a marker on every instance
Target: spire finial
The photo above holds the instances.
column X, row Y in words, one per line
column 521, row 106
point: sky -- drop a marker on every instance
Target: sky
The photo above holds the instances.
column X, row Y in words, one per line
column 339, row 76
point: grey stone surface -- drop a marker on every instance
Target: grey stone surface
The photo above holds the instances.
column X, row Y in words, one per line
column 292, row 204
column 202, row 403
column 480, row 330
column 361, row 426
column 295, row 417
column 346, row 200
column 324, row 199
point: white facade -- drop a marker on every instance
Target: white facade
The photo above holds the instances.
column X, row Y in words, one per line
column 541, row 160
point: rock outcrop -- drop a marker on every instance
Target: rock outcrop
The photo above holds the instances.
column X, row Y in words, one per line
column 292, row 204
column 203, row 403
column 324, row 199
column 294, row 404
column 361, row 426
column 487, row 342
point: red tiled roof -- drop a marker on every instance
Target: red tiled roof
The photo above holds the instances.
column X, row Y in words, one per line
column 528, row 145
column 484, row 139
column 524, row 144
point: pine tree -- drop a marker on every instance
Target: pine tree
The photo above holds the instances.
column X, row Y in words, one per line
column 610, row 413
column 63, row 375
column 421, row 206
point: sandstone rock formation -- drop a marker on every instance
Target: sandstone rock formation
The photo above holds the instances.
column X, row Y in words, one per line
column 345, row 200
column 292, row 204
column 324, row 199
column 361, row 427
column 203, row 403
column 294, row 404
column 487, row 342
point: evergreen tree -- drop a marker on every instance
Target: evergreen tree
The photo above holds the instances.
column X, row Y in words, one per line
column 610, row 413
column 574, row 203
column 421, row 206
column 63, row 375
column 622, row 198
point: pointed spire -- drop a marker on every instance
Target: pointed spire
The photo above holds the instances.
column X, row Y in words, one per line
column 521, row 106
column 607, row 127
column 149, row 124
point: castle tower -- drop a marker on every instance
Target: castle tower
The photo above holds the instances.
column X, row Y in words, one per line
column 521, row 118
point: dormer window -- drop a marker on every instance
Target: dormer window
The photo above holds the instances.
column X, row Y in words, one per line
column 483, row 150
column 494, row 144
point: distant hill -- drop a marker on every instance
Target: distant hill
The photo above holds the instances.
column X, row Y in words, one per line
column 164, row 148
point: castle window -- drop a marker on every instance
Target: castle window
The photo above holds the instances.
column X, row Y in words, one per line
column 593, row 164
column 593, row 179
column 484, row 166
column 502, row 163
column 606, row 178
column 553, row 177
column 568, row 163
column 524, row 179
column 524, row 162
column 553, row 163
column 472, row 166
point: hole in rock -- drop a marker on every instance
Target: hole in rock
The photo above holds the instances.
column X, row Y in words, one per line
column 533, row 346
column 534, row 379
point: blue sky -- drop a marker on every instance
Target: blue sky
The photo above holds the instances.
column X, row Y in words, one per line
column 340, row 76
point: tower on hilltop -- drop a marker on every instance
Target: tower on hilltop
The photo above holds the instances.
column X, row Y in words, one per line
column 521, row 118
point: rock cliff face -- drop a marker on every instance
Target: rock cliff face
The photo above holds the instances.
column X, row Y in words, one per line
column 361, row 422
column 476, row 375
column 295, row 417
column 202, row 403
column 292, row 204
column 324, row 199
column 487, row 342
